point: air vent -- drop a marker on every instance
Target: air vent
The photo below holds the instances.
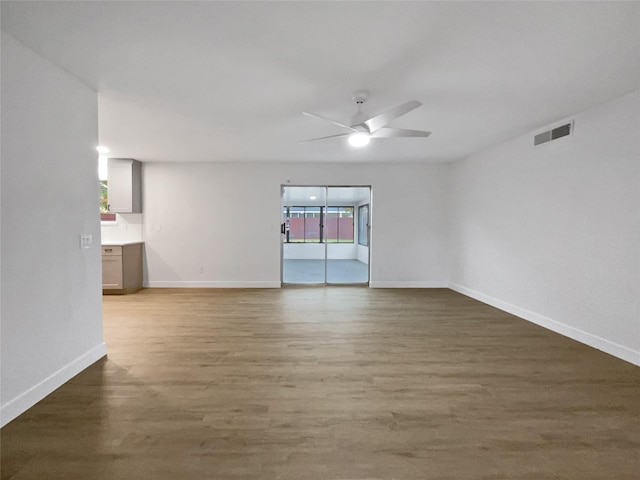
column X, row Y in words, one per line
column 558, row 132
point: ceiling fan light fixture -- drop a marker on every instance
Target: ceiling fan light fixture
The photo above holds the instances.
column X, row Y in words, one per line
column 363, row 129
column 359, row 139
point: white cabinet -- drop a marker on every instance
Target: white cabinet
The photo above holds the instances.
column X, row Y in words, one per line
column 124, row 185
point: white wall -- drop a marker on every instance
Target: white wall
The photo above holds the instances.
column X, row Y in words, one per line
column 552, row 233
column 127, row 227
column 225, row 217
column 362, row 254
column 315, row 251
column 51, row 317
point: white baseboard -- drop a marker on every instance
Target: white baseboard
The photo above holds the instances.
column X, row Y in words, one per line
column 419, row 284
column 210, row 284
column 28, row 399
column 607, row 346
column 226, row 284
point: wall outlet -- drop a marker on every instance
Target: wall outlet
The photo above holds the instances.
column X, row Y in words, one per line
column 86, row 240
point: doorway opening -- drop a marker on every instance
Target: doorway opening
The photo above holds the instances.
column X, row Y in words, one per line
column 325, row 235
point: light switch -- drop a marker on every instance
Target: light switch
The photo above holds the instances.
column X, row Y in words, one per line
column 85, row 240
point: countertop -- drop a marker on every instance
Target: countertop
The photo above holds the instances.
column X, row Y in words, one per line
column 121, row 244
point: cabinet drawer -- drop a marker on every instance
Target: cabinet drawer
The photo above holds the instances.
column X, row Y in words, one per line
column 115, row 250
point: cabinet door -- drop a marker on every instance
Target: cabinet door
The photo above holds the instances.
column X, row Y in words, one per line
column 112, row 272
column 120, row 186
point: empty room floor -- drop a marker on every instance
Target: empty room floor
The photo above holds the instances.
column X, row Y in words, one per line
column 330, row 383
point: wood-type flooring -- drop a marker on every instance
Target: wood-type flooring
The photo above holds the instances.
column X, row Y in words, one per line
column 330, row 383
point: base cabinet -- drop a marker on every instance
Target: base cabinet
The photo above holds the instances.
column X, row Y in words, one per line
column 121, row 268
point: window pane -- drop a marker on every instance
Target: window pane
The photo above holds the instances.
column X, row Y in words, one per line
column 312, row 224
column 363, row 222
column 296, row 224
column 331, row 225
column 339, row 225
column 305, row 224
column 346, row 212
column 345, row 225
column 105, row 215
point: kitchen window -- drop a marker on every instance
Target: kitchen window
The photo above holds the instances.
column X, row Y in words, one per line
column 105, row 214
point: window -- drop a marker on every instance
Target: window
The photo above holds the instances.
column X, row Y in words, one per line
column 339, row 225
column 305, row 224
column 363, row 225
column 312, row 222
column 105, row 215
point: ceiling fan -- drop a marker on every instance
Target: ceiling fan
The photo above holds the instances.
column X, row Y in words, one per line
column 363, row 129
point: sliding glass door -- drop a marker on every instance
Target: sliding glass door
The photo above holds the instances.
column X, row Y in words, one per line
column 344, row 265
column 303, row 246
column 321, row 243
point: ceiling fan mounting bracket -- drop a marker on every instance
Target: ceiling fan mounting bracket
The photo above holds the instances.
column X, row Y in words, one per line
column 360, row 97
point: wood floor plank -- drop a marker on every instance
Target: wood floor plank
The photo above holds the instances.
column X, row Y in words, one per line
column 330, row 383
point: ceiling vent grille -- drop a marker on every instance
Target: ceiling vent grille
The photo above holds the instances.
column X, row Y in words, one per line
column 554, row 134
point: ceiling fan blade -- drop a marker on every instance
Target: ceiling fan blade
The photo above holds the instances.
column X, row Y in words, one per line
column 320, row 117
column 386, row 132
column 379, row 121
column 324, row 138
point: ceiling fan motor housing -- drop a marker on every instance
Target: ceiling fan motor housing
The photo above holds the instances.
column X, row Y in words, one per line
column 357, row 121
column 360, row 96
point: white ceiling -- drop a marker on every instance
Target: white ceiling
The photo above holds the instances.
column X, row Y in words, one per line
column 335, row 196
column 227, row 81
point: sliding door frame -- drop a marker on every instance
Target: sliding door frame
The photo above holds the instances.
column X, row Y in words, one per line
column 326, row 188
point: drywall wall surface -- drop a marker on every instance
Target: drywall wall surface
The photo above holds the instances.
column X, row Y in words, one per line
column 126, row 228
column 553, row 232
column 218, row 224
column 363, row 254
column 315, row 251
column 51, row 323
